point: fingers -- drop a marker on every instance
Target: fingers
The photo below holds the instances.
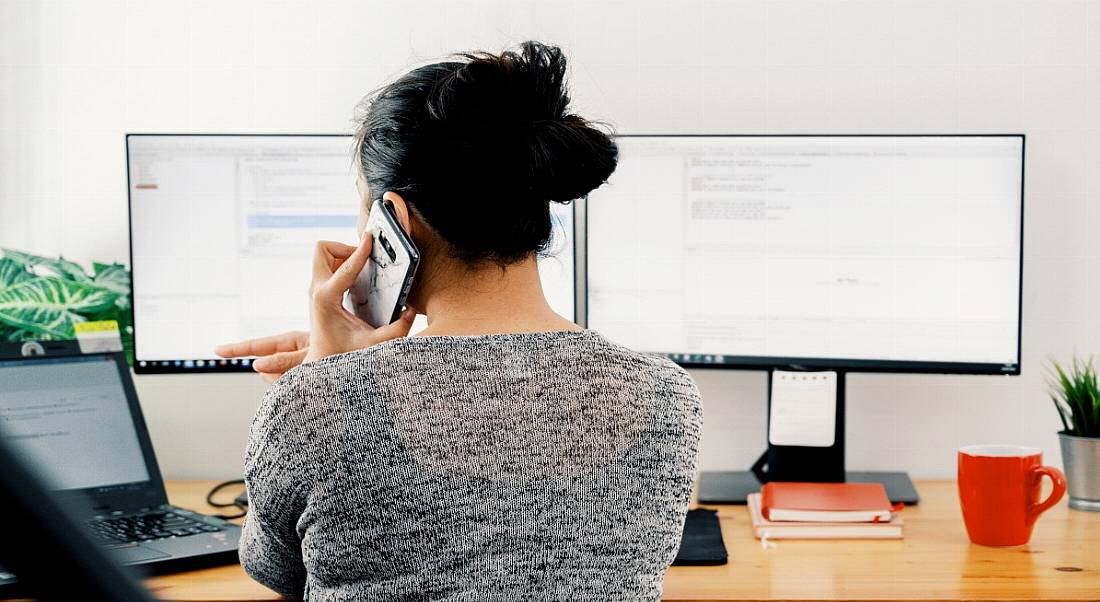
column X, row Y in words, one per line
column 273, row 366
column 234, row 349
column 396, row 329
column 345, row 275
column 279, row 362
column 327, row 255
column 287, row 341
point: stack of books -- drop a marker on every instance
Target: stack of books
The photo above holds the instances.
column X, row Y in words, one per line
column 824, row 511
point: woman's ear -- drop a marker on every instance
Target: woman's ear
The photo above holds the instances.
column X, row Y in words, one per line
column 400, row 209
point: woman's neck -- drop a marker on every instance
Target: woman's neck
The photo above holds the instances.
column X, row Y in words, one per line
column 489, row 300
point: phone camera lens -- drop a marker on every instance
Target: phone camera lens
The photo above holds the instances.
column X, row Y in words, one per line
column 387, row 246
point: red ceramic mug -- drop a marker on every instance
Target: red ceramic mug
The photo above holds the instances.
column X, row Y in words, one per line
column 999, row 487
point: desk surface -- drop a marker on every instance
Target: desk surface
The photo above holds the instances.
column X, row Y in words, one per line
column 935, row 561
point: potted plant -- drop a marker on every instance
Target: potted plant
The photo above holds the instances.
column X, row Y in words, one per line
column 44, row 297
column 1077, row 397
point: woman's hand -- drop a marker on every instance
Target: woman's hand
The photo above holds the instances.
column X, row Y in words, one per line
column 276, row 354
column 334, row 329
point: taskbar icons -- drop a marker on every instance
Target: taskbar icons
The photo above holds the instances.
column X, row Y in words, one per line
column 196, row 365
column 696, row 358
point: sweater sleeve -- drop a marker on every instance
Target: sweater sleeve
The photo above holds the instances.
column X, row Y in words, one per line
column 279, row 473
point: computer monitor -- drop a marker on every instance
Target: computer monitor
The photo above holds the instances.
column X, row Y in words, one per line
column 222, row 231
column 845, row 253
column 899, row 253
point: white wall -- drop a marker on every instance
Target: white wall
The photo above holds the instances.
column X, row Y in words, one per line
column 75, row 75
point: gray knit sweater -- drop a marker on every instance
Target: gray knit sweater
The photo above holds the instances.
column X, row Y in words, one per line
column 545, row 466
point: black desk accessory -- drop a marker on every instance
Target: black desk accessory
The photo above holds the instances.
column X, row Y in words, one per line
column 734, row 486
column 702, row 543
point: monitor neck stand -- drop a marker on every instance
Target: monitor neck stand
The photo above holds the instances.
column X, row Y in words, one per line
column 795, row 463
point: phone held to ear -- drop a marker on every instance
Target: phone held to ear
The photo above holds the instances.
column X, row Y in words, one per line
column 379, row 293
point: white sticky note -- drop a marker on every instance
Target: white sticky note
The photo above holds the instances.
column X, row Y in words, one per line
column 803, row 409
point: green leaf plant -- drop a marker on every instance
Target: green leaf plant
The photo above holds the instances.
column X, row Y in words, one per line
column 45, row 297
column 1076, row 395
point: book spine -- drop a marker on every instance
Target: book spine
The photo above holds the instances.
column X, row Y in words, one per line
column 766, row 501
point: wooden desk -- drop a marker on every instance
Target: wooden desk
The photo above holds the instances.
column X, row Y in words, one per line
column 934, row 561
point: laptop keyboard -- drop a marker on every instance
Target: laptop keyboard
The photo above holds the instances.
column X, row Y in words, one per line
column 147, row 527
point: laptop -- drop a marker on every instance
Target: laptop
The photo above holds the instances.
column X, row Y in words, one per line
column 63, row 563
column 75, row 420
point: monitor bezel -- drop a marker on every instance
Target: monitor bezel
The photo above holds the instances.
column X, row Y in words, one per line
column 219, row 365
column 750, row 362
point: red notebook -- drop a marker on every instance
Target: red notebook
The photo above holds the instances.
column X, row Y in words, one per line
column 826, row 502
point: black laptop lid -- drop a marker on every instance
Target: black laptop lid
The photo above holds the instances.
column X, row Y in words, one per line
column 75, row 419
column 44, row 544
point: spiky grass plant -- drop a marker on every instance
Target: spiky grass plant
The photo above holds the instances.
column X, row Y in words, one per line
column 1077, row 396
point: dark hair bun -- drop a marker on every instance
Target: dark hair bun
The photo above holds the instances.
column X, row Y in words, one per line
column 570, row 158
column 479, row 146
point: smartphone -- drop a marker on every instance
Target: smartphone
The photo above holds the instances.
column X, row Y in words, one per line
column 379, row 292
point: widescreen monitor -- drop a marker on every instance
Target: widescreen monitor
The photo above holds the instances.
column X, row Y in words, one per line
column 883, row 252
column 222, row 232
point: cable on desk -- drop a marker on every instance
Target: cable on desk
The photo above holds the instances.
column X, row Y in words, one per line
column 234, row 504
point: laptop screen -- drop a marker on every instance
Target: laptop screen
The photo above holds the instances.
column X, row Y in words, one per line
column 69, row 418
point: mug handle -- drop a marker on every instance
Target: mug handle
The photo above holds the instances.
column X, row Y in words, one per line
column 1057, row 479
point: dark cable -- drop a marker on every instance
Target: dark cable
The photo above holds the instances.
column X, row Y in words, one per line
column 234, row 504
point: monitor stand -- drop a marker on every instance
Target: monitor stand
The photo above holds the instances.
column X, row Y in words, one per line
column 733, row 487
column 806, row 464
